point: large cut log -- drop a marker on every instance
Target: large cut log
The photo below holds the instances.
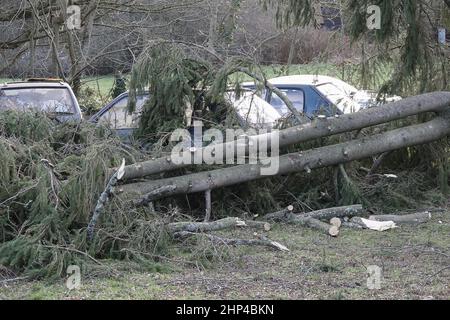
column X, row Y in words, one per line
column 326, row 228
column 429, row 102
column 339, row 212
column 303, row 161
column 205, row 226
column 415, row 218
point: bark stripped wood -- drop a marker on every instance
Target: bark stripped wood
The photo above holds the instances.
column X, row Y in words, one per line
column 262, row 241
column 338, row 212
column 415, row 218
column 104, row 197
column 196, row 227
column 430, row 102
column 311, row 159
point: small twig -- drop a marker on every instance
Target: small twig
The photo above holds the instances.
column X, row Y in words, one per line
column 13, row 280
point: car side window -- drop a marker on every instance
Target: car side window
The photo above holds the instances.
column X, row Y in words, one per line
column 296, row 96
column 118, row 116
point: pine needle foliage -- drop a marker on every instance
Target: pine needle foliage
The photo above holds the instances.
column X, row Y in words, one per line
column 407, row 37
column 180, row 82
column 51, row 176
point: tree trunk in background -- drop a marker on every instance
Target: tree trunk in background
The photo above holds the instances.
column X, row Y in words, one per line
column 214, row 14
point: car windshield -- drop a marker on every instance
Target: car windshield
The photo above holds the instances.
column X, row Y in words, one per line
column 53, row 100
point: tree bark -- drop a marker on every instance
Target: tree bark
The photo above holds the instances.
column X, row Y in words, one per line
column 263, row 241
column 415, row 218
column 339, row 212
column 259, row 225
column 430, row 102
column 312, row 159
column 205, row 226
column 280, row 215
column 287, row 216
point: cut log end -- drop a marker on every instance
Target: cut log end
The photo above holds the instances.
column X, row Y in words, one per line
column 336, row 222
column 334, row 231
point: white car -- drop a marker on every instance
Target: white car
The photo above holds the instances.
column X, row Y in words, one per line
column 251, row 111
column 315, row 94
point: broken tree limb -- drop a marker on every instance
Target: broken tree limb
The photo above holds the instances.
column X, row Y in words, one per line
column 311, row 159
column 259, row 225
column 280, row 215
column 148, row 198
column 338, row 212
column 415, row 218
column 100, row 207
column 377, row 163
column 430, row 102
column 232, row 242
column 205, row 226
column 287, row 216
column 300, row 118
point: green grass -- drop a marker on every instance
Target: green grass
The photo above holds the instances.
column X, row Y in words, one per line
column 414, row 260
column 101, row 84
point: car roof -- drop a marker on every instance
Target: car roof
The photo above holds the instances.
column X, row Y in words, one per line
column 34, row 84
column 313, row 80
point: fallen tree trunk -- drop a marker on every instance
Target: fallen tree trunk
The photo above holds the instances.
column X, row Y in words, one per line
column 205, row 226
column 304, row 161
column 430, row 102
column 338, row 212
column 415, row 218
column 233, row 242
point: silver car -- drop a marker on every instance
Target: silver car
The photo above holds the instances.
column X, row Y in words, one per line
column 53, row 97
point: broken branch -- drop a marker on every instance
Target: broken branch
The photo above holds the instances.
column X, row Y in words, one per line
column 232, row 242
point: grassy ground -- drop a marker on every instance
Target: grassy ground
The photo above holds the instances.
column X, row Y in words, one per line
column 415, row 261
